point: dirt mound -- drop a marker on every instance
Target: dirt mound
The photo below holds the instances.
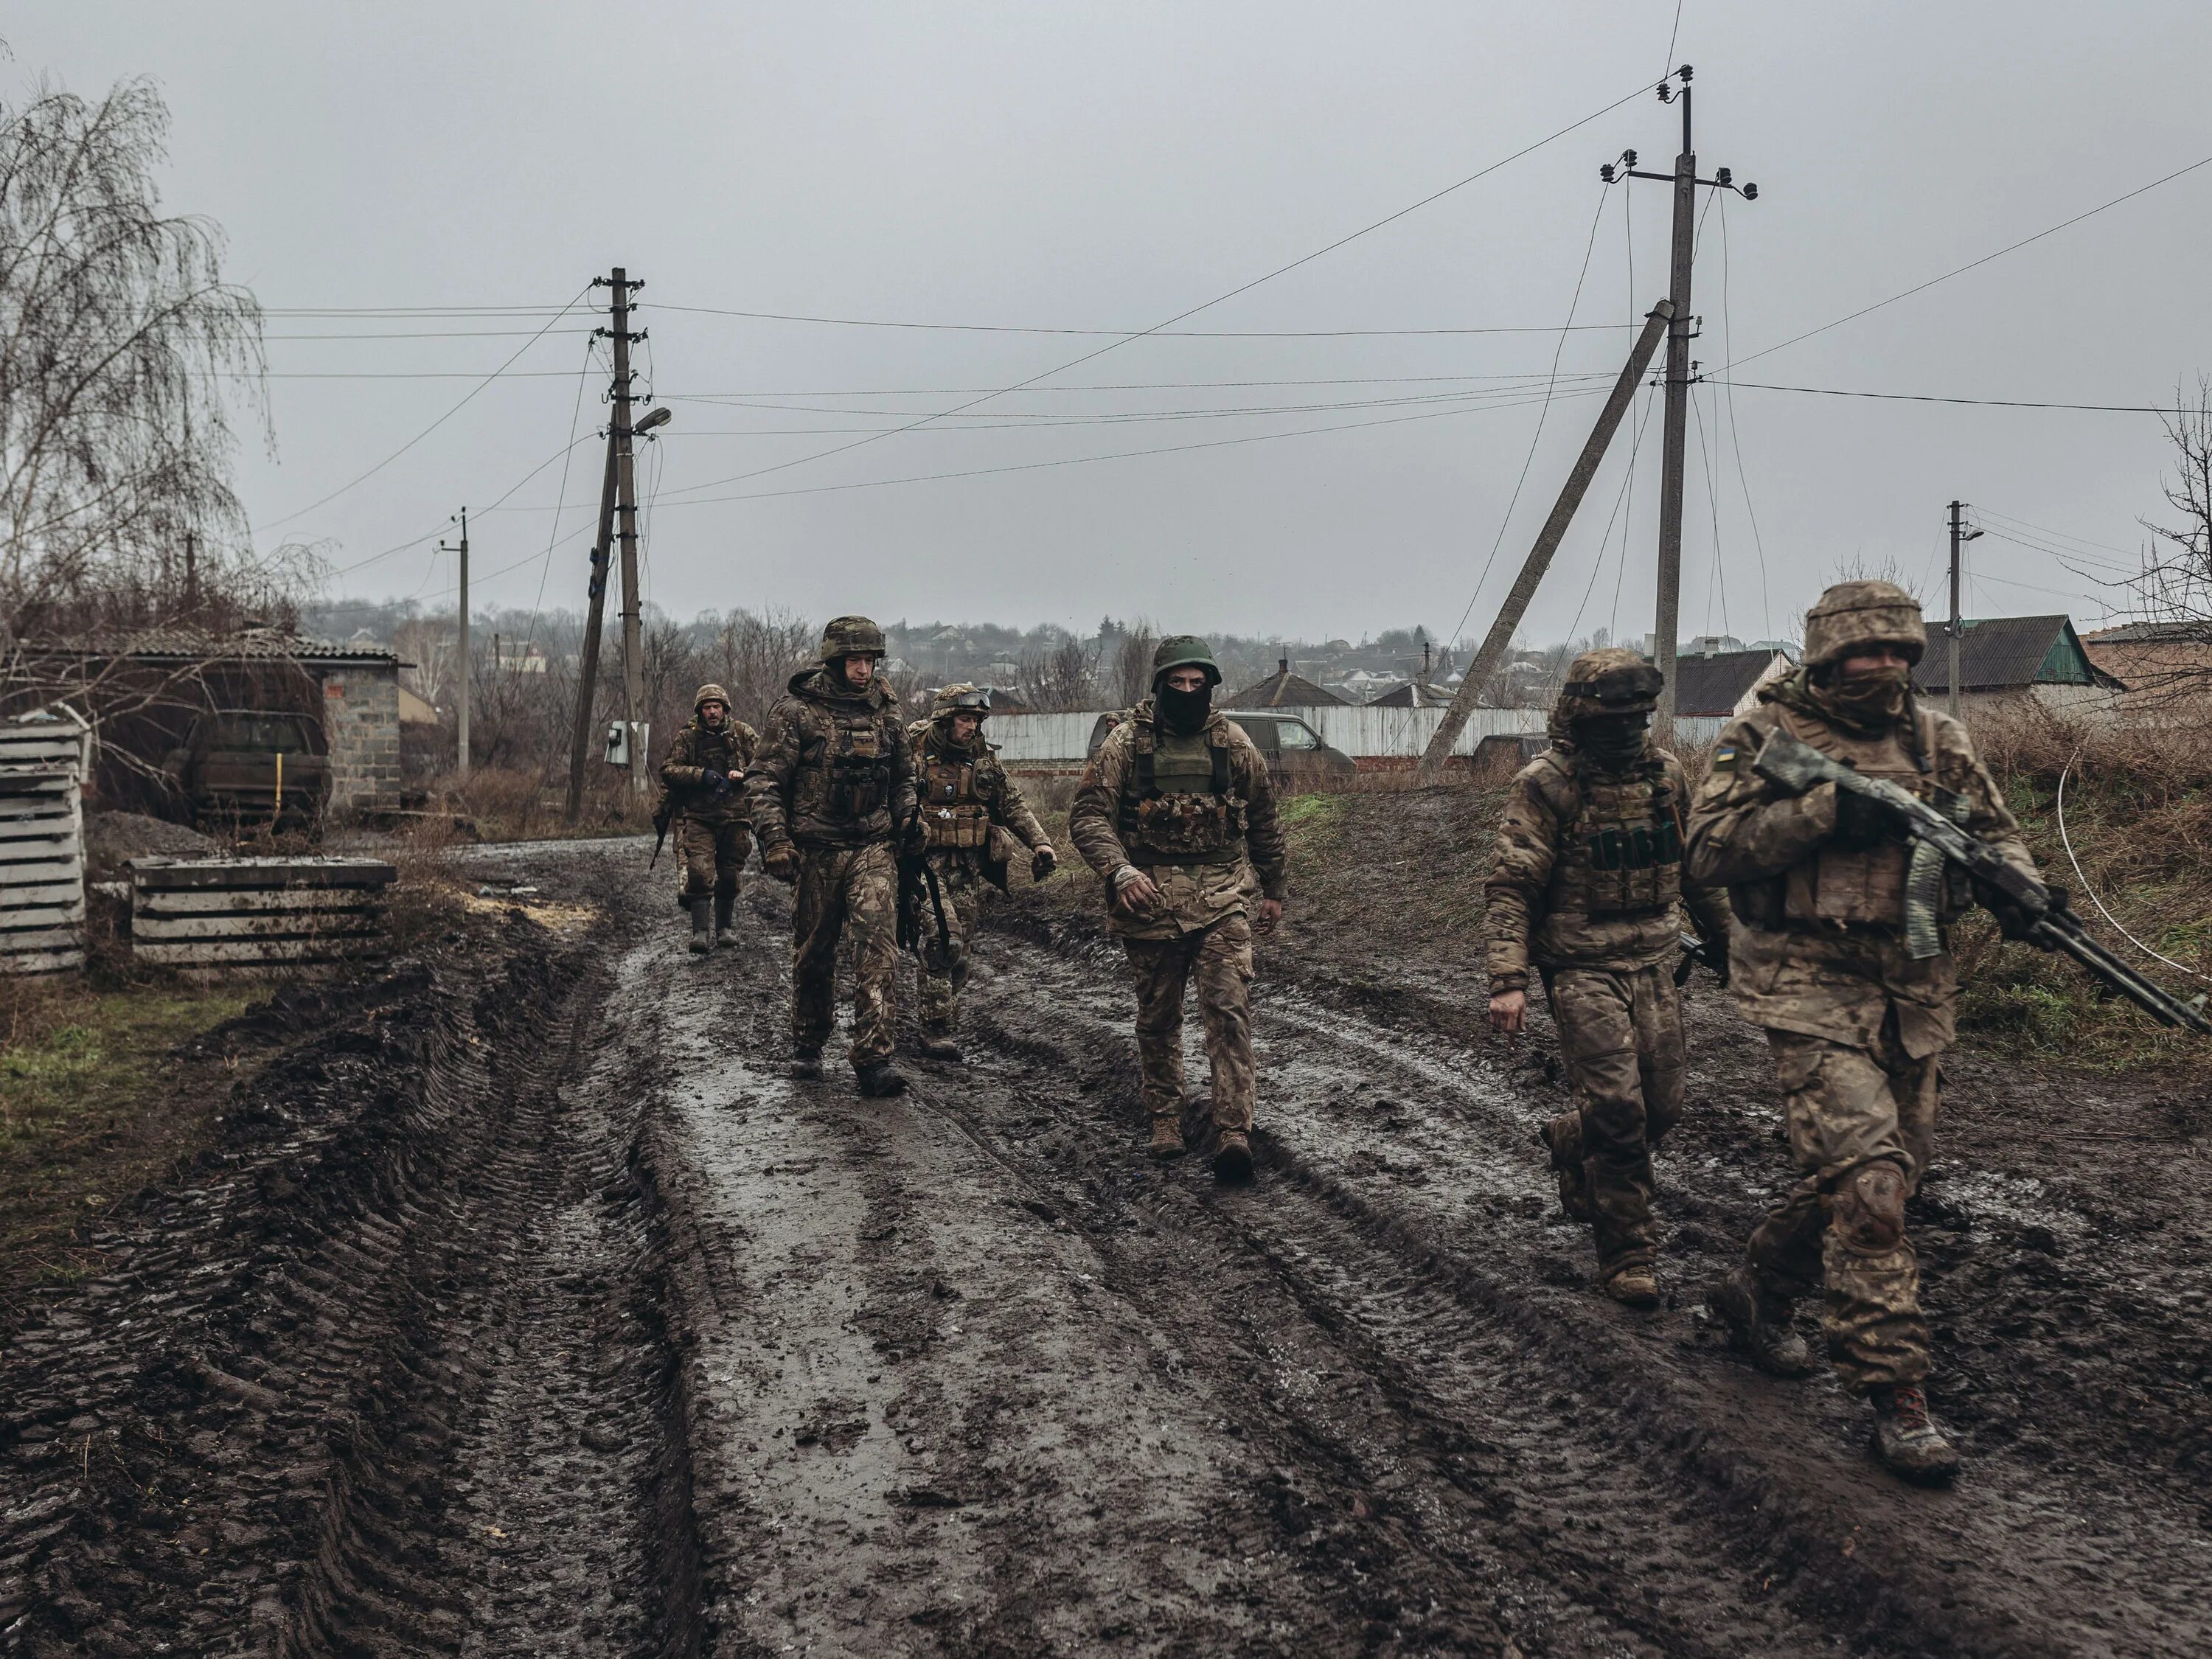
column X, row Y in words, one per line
column 111, row 839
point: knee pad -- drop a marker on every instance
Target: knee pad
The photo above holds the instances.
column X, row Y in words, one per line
column 1868, row 1208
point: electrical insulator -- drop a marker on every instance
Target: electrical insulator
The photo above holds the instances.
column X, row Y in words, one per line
column 1750, row 192
column 1605, row 172
column 1722, row 176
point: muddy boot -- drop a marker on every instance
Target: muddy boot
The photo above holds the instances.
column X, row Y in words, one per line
column 1563, row 1139
column 879, row 1078
column 1906, row 1438
column 1167, row 1138
column 1633, row 1286
column 937, row 1043
column 1760, row 1325
column 724, row 904
column 1232, row 1156
column 806, row 1061
column 702, row 941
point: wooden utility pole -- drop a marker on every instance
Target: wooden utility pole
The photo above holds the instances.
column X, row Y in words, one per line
column 626, row 513
column 1681, row 371
column 191, row 571
column 1547, row 542
column 461, row 701
column 1962, row 534
column 587, row 676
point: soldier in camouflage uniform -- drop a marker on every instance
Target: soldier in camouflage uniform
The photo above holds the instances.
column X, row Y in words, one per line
column 970, row 809
column 832, row 796
column 1177, row 813
column 1856, row 1023
column 704, row 776
column 1588, row 887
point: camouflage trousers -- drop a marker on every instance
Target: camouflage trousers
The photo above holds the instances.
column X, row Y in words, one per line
column 1862, row 1126
column 1620, row 1037
column 849, row 892
column 709, row 853
column 1219, row 958
column 960, row 889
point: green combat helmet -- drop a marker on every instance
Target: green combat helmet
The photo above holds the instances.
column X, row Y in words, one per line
column 710, row 693
column 960, row 698
column 1853, row 614
column 851, row 637
column 1185, row 650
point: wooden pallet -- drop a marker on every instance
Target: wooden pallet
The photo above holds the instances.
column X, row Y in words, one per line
column 41, row 853
column 233, row 912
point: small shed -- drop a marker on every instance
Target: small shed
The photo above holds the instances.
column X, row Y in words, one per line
column 2006, row 662
column 1725, row 683
column 1283, row 690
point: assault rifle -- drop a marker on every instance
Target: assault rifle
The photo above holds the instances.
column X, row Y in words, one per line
column 917, row 883
column 665, row 814
column 2043, row 918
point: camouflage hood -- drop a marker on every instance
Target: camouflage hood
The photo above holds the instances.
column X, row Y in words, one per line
column 818, row 684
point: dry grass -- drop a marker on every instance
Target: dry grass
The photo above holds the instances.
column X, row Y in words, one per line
column 509, row 806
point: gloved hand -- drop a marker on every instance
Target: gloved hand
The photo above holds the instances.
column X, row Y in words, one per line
column 913, row 839
column 713, row 780
column 2013, row 921
column 781, row 861
column 1717, row 957
column 1042, row 862
column 1862, row 823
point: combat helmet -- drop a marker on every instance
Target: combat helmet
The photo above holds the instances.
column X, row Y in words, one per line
column 1610, row 680
column 708, row 693
column 1852, row 615
column 850, row 636
column 1185, row 650
column 960, row 698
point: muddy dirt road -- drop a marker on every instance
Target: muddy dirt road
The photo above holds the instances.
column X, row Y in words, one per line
column 529, row 1309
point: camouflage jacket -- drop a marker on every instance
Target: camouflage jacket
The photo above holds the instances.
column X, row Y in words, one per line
column 948, row 779
column 1822, row 951
column 833, row 768
column 699, row 749
column 1196, row 894
column 1545, row 903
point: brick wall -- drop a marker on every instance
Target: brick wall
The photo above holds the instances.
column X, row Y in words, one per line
column 361, row 714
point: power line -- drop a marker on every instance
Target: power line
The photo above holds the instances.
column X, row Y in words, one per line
column 425, row 432
column 1117, row 386
column 2055, row 535
column 496, row 506
column 1220, row 299
column 443, row 334
column 1924, row 397
column 1163, row 331
column 1975, row 265
column 560, row 495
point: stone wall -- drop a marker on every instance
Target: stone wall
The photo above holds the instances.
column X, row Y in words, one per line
column 361, row 714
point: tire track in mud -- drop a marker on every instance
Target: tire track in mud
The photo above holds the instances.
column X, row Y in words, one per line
column 1775, row 1476
column 411, row 1395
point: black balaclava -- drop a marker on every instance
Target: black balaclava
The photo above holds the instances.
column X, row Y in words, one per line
column 1184, row 713
column 1615, row 742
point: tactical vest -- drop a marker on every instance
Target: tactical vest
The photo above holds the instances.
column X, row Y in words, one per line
column 854, row 766
column 953, row 813
column 1179, row 804
column 1622, row 853
column 1869, row 887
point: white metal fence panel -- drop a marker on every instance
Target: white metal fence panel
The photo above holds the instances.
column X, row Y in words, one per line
column 1364, row 733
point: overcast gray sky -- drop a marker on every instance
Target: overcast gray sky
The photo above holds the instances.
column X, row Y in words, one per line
column 1079, row 166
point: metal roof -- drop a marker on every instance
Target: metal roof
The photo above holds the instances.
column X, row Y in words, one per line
column 1283, row 690
column 1716, row 685
column 251, row 644
column 1996, row 653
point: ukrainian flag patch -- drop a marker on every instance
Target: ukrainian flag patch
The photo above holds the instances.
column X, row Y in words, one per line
column 1724, row 755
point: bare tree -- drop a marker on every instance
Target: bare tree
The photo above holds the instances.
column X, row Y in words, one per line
column 119, row 339
column 1060, row 680
column 755, row 657
column 1133, row 662
column 2177, row 587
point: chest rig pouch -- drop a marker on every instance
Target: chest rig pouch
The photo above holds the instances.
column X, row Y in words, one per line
column 1623, row 853
column 859, row 769
column 1889, row 885
column 952, row 814
column 1179, row 808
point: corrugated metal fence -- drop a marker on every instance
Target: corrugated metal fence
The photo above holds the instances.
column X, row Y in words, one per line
column 1360, row 732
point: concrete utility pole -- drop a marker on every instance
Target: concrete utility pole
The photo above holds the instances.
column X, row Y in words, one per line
column 626, row 513
column 1962, row 534
column 1547, row 542
column 1681, row 371
column 588, row 678
column 461, row 703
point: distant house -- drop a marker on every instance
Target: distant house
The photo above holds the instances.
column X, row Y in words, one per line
column 1725, row 684
column 1283, row 690
column 1413, row 694
column 2006, row 662
column 2154, row 659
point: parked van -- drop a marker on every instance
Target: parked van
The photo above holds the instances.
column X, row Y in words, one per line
column 1297, row 756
